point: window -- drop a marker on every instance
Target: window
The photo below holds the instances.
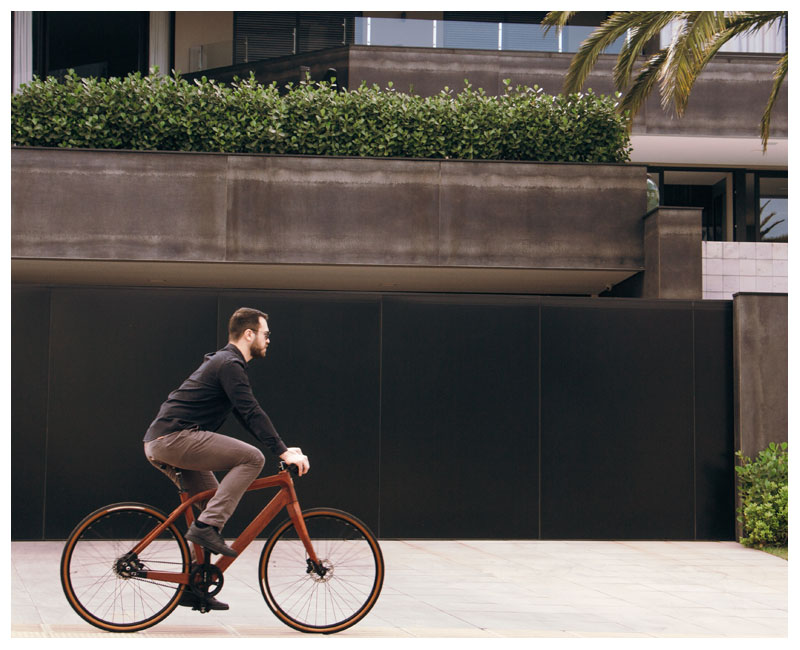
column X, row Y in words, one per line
column 700, row 189
column 260, row 35
column 773, row 208
column 93, row 43
column 738, row 204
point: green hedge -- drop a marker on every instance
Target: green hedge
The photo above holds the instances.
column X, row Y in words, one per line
column 172, row 114
column 764, row 492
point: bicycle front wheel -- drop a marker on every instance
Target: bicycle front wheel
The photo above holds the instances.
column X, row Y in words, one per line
column 353, row 578
column 98, row 572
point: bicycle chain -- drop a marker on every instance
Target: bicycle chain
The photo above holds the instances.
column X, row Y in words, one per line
column 153, row 582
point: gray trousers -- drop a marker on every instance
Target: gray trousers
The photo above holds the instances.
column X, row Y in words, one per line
column 201, row 453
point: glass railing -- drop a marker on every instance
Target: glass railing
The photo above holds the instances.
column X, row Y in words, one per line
column 767, row 40
column 407, row 32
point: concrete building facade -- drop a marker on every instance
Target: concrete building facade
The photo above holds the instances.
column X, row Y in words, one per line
column 401, row 233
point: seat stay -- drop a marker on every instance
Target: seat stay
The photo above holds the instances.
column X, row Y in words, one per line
column 173, row 516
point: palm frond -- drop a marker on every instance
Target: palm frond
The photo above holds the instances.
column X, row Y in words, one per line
column 642, row 86
column 686, row 56
column 697, row 37
column 744, row 21
column 557, row 19
column 648, row 27
column 614, row 27
column 778, row 77
column 740, row 23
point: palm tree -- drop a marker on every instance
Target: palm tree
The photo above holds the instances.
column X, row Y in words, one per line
column 675, row 68
column 766, row 226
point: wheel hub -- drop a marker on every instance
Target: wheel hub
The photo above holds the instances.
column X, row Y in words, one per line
column 127, row 566
column 322, row 572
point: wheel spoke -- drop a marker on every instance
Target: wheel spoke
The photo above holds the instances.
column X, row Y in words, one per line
column 336, row 600
column 97, row 585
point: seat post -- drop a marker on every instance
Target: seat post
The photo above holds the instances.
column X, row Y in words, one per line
column 177, row 476
column 179, row 480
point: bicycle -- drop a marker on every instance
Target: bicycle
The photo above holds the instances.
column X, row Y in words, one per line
column 126, row 566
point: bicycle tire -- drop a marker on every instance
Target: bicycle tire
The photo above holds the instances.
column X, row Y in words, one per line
column 307, row 602
column 92, row 578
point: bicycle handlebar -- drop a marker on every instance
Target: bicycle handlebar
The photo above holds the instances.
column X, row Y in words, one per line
column 290, row 467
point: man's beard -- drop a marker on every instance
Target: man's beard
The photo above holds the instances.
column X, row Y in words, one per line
column 257, row 351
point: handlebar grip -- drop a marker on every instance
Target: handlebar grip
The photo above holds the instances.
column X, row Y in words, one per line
column 290, row 467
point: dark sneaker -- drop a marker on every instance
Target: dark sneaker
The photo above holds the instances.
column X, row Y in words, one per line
column 210, row 539
column 190, row 599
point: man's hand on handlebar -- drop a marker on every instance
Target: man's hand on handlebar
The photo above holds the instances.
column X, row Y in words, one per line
column 295, row 456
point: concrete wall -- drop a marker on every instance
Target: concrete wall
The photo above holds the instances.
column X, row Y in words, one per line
column 672, row 246
column 111, row 205
column 760, row 354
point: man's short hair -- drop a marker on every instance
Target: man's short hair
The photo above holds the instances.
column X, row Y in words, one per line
column 243, row 319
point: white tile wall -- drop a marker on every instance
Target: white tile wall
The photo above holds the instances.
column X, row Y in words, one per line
column 733, row 267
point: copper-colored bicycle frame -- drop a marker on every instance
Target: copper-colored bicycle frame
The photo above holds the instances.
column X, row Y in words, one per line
column 286, row 498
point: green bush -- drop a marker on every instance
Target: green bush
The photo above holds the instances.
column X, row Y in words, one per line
column 764, row 492
column 172, row 114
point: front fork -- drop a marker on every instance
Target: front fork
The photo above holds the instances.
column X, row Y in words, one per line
column 314, row 567
column 313, row 562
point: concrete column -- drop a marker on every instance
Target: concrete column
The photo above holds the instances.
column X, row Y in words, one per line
column 159, row 41
column 23, row 48
column 760, row 370
column 673, row 255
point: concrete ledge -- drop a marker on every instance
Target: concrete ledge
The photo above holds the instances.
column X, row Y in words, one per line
column 341, row 277
column 305, row 210
column 111, row 205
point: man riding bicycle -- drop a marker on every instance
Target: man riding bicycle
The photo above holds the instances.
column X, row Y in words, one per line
column 183, row 435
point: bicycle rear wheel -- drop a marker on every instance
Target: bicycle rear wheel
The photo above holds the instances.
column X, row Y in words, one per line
column 96, row 566
column 350, row 587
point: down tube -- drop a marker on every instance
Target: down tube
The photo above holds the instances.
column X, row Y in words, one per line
column 254, row 528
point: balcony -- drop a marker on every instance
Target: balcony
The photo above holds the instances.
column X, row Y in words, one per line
column 457, row 34
column 302, row 222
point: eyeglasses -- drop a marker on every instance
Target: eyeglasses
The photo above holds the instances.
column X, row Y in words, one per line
column 266, row 333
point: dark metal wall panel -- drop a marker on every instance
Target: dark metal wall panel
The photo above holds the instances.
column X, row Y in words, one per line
column 714, row 442
column 459, row 424
column 116, row 354
column 320, row 385
column 427, row 415
column 30, row 336
column 617, row 441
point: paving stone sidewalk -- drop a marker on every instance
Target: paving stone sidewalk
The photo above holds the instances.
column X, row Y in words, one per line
column 482, row 589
